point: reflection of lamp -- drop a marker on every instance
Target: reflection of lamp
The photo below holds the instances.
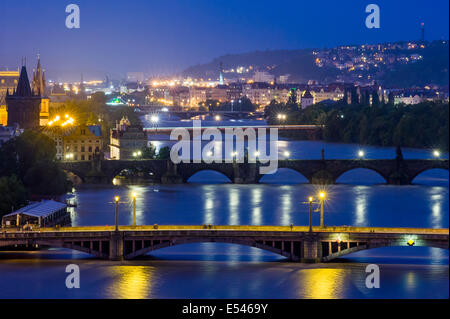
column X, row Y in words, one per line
column 134, row 208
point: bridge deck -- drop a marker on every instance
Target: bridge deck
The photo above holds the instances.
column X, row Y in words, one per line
column 242, row 228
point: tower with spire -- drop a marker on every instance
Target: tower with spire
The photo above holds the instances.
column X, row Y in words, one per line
column 39, row 89
column 221, row 80
column 22, row 105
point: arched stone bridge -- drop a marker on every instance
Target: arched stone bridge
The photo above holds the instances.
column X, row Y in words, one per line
column 394, row 171
column 296, row 242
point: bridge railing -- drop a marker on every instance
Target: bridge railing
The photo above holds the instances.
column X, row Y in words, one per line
column 325, row 229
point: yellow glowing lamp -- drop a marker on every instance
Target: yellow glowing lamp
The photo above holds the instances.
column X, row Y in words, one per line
column 134, row 195
column 117, row 198
column 322, row 195
column 310, row 199
column 411, row 242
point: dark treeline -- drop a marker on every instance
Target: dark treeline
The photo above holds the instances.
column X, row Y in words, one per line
column 424, row 125
column 28, row 169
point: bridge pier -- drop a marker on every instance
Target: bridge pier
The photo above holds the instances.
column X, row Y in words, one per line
column 311, row 249
column 116, row 246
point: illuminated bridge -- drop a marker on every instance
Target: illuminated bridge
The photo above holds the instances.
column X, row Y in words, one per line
column 294, row 242
column 394, row 171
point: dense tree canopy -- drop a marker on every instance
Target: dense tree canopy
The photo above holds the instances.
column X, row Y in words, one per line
column 424, row 125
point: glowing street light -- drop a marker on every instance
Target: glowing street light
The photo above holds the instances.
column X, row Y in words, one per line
column 281, row 117
column 322, row 197
column 361, row 154
column 217, row 118
column 286, row 154
column 116, row 200
column 436, row 153
column 154, row 119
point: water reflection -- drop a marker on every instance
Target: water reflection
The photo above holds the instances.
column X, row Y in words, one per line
column 361, row 202
column 323, row 283
column 234, row 206
column 131, row 282
column 436, row 200
column 256, row 198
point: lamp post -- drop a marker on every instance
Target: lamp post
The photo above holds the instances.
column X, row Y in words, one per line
column 134, row 209
column 116, row 200
column 310, row 200
column 322, row 196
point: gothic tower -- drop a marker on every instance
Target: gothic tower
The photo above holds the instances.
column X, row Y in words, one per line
column 23, row 106
column 39, row 89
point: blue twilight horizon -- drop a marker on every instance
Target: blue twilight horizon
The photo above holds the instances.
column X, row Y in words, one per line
column 162, row 37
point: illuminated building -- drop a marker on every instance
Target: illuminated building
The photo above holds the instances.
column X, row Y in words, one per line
column 8, row 81
column 39, row 89
column 22, row 105
column 307, row 99
column 126, row 139
column 82, row 143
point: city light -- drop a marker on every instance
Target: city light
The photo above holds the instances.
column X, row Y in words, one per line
column 286, row 154
column 257, row 154
column 133, row 195
column 154, row 119
column 361, row 153
column 322, row 195
column 410, row 242
column 56, row 121
column 217, row 118
column 436, row 153
column 310, row 199
column 69, row 156
column 116, row 199
column 281, row 116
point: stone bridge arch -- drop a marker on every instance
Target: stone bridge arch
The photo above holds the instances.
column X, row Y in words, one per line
column 333, row 250
column 187, row 170
column 291, row 251
column 417, row 173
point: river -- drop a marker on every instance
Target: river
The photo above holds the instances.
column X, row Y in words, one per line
column 213, row 270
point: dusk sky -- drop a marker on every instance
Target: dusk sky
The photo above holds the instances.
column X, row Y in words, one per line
column 161, row 37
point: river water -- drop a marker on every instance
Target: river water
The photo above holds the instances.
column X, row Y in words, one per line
column 213, row 270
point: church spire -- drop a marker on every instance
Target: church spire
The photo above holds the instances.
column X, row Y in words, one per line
column 39, row 78
column 23, row 86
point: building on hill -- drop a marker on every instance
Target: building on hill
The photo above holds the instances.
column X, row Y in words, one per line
column 8, row 81
column 22, row 105
column 126, row 140
column 307, row 99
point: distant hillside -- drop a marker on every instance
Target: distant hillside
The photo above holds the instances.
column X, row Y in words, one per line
column 402, row 64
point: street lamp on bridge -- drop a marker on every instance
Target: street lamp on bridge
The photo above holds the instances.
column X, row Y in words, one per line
column 436, row 153
column 310, row 202
column 322, row 198
column 116, row 200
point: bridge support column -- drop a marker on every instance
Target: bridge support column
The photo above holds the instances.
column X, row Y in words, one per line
column 171, row 176
column 312, row 250
column 245, row 173
column 116, row 246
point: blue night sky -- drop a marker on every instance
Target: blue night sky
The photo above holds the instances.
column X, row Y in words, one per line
column 165, row 36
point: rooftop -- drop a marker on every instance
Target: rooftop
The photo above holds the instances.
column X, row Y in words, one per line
column 40, row 209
